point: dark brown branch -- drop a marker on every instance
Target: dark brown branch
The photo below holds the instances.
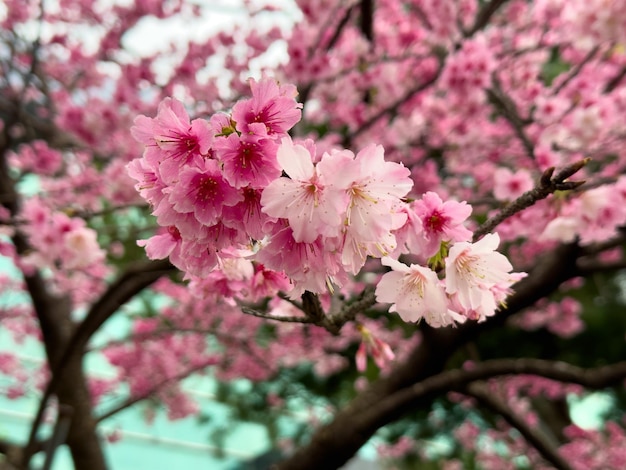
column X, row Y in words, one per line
column 366, row 20
column 59, row 434
column 339, row 29
column 54, row 315
column 615, row 81
column 279, row 318
column 588, row 268
column 135, row 279
column 534, row 436
column 599, row 247
column 12, row 453
column 594, row 378
column 484, row 15
column 365, row 421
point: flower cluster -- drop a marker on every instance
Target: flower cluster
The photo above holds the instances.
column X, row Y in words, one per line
column 59, row 240
column 238, row 186
column 204, row 178
column 332, row 215
column 477, row 281
column 594, row 216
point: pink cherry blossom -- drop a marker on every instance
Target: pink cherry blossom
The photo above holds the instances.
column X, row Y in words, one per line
column 171, row 140
column 440, row 222
column 593, row 215
column 474, row 270
column 509, row 186
column 380, row 351
column 248, row 160
column 471, row 101
column 375, row 187
column 311, row 204
column 81, row 248
column 415, row 293
column 37, row 157
column 309, row 266
column 247, row 215
column 203, row 190
column 272, row 105
column 164, row 245
column 267, row 283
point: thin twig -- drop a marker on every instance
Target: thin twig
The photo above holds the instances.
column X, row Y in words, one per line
column 576, row 70
column 314, row 314
column 507, row 108
column 280, row 318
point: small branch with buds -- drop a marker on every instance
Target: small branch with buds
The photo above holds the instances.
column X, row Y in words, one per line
column 547, row 185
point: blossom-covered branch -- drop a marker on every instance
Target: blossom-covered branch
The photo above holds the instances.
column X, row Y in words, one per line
column 533, row 435
column 130, row 401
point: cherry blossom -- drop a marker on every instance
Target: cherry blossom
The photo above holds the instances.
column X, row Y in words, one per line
column 203, row 191
column 271, row 105
column 308, row 198
column 381, row 352
column 415, row 293
column 440, row 222
column 475, row 272
column 171, row 140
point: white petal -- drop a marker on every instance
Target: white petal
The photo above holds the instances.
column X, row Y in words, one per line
column 295, row 160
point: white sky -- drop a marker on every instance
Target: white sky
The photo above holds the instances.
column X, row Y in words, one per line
column 152, row 34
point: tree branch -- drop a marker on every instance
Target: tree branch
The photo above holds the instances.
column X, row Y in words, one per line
column 593, row 378
column 365, row 421
column 366, row 20
column 599, row 247
column 284, row 319
column 339, row 29
column 615, row 81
